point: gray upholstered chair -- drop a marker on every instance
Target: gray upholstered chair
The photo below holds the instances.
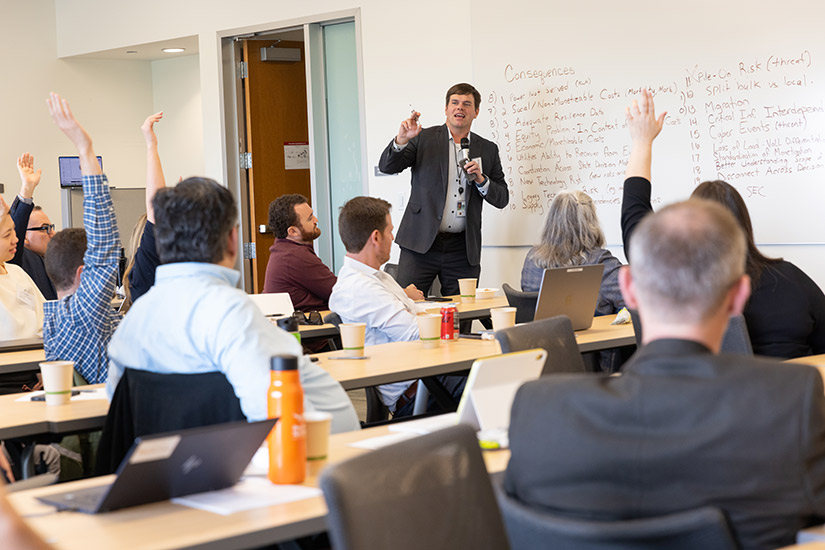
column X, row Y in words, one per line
column 554, row 334
column 428, row 492
column 524, row 302
column 531, row 529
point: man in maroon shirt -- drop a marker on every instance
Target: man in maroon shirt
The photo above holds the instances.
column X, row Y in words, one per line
column 293, row 266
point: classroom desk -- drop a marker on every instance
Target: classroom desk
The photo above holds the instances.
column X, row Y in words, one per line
column 30, row 418
column 20, row 361
column 397, row 361
column 475, row 309
column 817, row 361
column 164, row 525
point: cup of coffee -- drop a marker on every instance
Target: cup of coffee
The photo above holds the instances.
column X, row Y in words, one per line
column 318, row 425
column 57, row 381
column 352, row 337
column 429, row 329
column 467, row 289
column 503, row 317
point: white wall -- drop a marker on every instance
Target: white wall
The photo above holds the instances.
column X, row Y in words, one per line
column 410, row 55
column 176, row 91
column 108, row 97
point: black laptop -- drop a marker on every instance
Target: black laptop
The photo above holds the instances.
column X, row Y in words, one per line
column 174, row 464
column 571, row 291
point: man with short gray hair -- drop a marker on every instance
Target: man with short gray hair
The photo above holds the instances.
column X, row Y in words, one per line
column 683, row 426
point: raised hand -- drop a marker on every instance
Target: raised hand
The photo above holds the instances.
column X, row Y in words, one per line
column 641, row 118
column 148, row 129
column 409, row 129
column 29, row 177
column 63, row 117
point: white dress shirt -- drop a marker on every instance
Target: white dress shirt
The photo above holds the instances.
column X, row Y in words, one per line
column 367, row 295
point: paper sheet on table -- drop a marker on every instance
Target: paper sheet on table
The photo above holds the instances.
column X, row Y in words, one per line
column 247, row 494
column 84, row 395
column 374, row 443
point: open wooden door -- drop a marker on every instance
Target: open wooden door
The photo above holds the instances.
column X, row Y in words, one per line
column 277, row 135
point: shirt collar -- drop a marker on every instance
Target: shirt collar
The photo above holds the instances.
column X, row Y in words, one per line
column 180, row 270
column 359, row 266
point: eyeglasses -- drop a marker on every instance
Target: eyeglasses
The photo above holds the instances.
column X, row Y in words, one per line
column 310, row 318
column 47, row 227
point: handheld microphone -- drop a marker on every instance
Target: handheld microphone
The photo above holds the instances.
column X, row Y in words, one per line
column 465, row 158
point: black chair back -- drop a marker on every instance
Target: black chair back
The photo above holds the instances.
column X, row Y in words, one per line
column 554, row 334
column 146, row 403
column 428, row 492
column 736, row 339
column 531, row 529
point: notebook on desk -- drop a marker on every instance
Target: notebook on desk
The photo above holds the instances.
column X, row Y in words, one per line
column 488, row 395
column 570, row 291
column 174, row 464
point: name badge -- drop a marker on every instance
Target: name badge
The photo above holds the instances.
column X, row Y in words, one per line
column 25, row 297
column 461, row 208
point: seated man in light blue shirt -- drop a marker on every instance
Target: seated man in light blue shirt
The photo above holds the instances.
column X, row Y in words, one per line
column 195, row 320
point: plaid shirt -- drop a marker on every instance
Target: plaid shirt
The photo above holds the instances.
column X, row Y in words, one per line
column 79, row 326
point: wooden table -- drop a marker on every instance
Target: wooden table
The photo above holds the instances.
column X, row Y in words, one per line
column 475, row 309
column 29, row 418
column 164, row 525
column 397, row 361
column 817, row 361
column 20, row 361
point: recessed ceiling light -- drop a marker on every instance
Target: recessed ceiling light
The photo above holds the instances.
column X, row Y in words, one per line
column 173, row 50
column 131, row 51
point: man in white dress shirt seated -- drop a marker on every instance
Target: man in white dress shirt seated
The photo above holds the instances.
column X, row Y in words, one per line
column 365, row 294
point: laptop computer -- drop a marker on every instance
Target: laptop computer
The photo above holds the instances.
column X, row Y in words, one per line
column 173, row 464
column 274, row 304
column 488, row 395
column 69, row 170
column 571, row 291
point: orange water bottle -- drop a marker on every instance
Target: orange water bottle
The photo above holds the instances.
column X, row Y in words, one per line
column 288, row 439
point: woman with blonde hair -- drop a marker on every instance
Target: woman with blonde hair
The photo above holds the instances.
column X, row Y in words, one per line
column 572, row 236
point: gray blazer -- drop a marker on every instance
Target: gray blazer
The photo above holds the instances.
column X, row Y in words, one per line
column 679, row 429
column 429, row 155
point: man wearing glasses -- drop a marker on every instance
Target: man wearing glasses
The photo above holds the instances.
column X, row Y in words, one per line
column 33, row 227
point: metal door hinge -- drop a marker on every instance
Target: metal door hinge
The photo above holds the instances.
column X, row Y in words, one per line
column 249, row 251
column 243, row 69
column 246, row 161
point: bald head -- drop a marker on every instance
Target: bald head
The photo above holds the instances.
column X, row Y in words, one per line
column 686, row 258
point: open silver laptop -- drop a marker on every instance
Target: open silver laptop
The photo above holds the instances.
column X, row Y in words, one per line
column 488, row 395
column 570, row 291
column 173, row 464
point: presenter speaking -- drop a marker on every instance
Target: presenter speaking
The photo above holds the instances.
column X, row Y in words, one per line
column 440, row 233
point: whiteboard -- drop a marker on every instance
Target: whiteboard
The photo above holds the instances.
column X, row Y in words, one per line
column 743, row 85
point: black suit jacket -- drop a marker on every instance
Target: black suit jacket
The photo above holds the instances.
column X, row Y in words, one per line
column 679, row 429
column 31, row 262
column 429, row 155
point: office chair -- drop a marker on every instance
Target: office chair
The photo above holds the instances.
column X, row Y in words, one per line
column 147, row 403
column 531, row 529
column 428, row 492
column 524, row 302
column 391, row 270
column 554, row 334
column 736, row 339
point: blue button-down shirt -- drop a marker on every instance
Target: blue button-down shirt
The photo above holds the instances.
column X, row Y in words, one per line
column 78, row 327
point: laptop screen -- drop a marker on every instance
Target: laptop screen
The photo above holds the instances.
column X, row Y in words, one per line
column 69, row 170
column 571, row 291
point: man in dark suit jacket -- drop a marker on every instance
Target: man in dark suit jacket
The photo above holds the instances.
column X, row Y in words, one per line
column 682, row 427
column 33, row 227
column 440, row 233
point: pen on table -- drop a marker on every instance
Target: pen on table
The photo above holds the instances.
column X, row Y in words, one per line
column 348, row 357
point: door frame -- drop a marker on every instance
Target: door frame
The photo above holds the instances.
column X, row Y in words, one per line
column 234, row 122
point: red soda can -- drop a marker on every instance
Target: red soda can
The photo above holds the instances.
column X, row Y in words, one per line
column 449, row 322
